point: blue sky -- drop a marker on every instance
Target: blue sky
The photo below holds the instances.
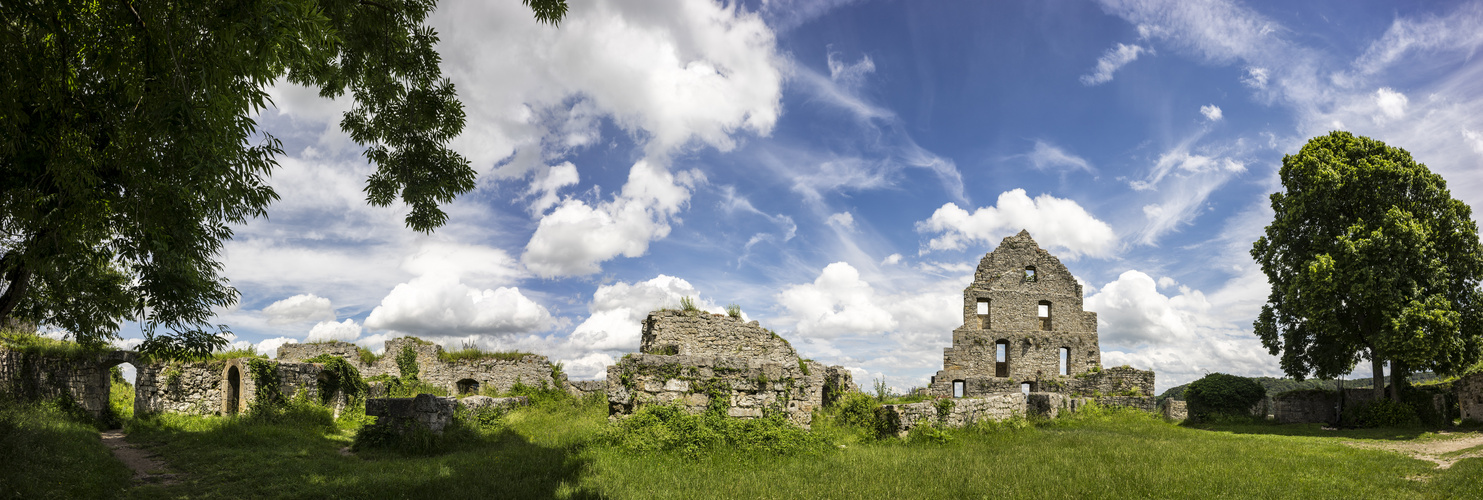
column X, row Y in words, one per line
column 837, row 169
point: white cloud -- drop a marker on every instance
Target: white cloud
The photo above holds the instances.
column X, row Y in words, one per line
column 547, row 183
column 1211, row 112
column 837, row 303
column 850, row 76
column 842, row 220
column 1256, row 77
column 592, row 366
column 1115, row 58
column 892, row 259
column 438, row 303
column 618, row 310
column 347, row 331
column 1047, row 155
column 1474, row 139
column 1456, row 31
column 270, row 346
column 1054, row 222
column 469, row 262
column 1392, row 104
column 1131, row 312
column 576, row 238
column 301, row 307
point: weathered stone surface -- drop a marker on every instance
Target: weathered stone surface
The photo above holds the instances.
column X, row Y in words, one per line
column 752, row 386
column 403, row 414
column 84, row 379
column 695, row 333
column 581, row 388
column 481, row 402
column 900, row 419
column 1470, row 396
column 1174, row 409
column 461, row 376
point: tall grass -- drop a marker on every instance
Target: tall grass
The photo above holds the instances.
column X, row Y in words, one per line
column 51, row 450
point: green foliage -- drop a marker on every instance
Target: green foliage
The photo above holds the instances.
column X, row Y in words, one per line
column 882, row 390
column 1370, row 257
column 474, row 353
column 343, row 377
column 33, row 343
column 248, row 352
column 733, row 310
column 129, row 147
column 670, row 428
column 944, row 408
column 1382, row 413
column 268, row 393
column 366, row 356
column 803, row 366
column 406, row 363
column 687, row 304
column 50, row 449
column 1219, row 393
column 929, row 434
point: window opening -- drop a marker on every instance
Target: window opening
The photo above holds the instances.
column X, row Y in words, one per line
column 958, row 388
column 468, row 386
column 1026, row 388
column 1029, row 274
column 1044, row 313
column 983, row 314
column 1001, row 358
column 234, row 390
column 1065, row 361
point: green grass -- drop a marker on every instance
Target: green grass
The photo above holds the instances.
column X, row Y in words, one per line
column 48, row 450
column 562, row 448
column 472, row 353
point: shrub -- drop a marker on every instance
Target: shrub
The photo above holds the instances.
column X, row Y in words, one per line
column 1384, row 413
column 687, row 304
column 671, row 428
column 1219, row 393
column 406, row 363
column 733, row 310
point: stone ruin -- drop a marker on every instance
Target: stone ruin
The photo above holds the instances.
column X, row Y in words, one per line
column 227, row 387
column 1470, row 396
column 691, row 358
column 1025, row 347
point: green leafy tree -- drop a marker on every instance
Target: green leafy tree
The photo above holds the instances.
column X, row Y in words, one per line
column 1369, row 257
column 128, row 148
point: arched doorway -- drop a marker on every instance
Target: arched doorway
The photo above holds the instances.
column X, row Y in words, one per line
column 232, row 397
column 468, row 386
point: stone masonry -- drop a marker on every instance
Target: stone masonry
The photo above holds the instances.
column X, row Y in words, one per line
column 457, row 377
column 84, row 379
column 1470, row 396
column 692, row 358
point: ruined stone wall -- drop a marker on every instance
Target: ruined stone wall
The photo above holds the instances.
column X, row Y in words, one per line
column 499, row 374
column 671, row 332
column 84, row 379
column 1174, row 409
column 204, row 387
column 582, row 388
column 1119, row 381
column 1470, row 396
column 900, row 419
column 750, row 386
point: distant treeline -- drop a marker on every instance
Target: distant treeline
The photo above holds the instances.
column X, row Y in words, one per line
column 1277, row 386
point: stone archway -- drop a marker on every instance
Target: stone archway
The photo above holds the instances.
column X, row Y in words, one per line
column 233, row 387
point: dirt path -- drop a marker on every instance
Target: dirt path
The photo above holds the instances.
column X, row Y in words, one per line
column 1431, row 451
column 147, row 467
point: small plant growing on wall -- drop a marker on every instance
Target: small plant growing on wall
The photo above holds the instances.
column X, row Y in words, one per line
column 733, row 310
column 406, row 362
column 687, row 304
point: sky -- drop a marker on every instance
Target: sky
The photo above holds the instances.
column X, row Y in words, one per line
column 837, row 168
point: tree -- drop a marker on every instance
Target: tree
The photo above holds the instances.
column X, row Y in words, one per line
column 1369, row 257
column 127, row 145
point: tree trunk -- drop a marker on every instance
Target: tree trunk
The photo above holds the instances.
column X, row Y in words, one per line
column 17, row 281
column 1398, row 373
column 1378, row 365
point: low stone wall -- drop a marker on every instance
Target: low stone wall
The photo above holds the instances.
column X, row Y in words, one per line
column 400, row 415
column 1470, row 396
column 900, row 419
column 476, row 375
column 695, row 333
column 1305, row 407
column 749, row 386
column 1145, row 403
column 205, row 387
column 1174, row 409
column 582, row 388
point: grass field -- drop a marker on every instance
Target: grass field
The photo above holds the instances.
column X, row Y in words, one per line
column 559, row 449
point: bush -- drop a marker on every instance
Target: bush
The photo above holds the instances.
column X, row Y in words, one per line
column 1223, row 394
column 671, row 428
column 858, row 410
column 1383, row 413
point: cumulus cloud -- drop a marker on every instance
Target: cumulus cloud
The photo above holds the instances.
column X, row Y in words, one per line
column 618, row 310
column 347, row 331
column 1048, row 156
column 479, row 263
column 439, row 304
column 545, row 185
column 892, row 259
column 1211, row 112
column 270, row 346
column 1392, row 104
column 575, row 238
column 1054, row 222
column 1132, row 312
column 301, row 307
column 1115, row 58
column 837, row 303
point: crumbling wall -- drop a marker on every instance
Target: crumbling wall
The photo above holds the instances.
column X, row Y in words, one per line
column 499, row 374
column 694, row 333
column 582, row 388
column 1470, row 396
column 401, row 415
column 900, row 419
column 84, row 379
column 749, row 387
column 204, row 387
column 1174, row 409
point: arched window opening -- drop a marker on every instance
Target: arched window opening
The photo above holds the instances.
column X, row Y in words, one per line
column 121, row 379
column 1065, row 360
column 1001, row 358
column 1044, row 314
column 1027, row 388
column 983, row 314
column 1029, row 274
column 959, row 388
column 468, row 386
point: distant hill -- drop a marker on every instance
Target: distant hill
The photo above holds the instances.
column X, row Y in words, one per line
column 1277, row 386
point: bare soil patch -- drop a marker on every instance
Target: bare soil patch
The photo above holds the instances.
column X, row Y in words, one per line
column 1442, row 451
column 147, row 467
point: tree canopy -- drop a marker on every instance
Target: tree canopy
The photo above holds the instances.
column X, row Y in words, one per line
column 128, row 148
column 1369, row 257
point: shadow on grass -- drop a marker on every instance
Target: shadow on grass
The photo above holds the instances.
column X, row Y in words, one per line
column 1312, row 430
column 230, row 458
